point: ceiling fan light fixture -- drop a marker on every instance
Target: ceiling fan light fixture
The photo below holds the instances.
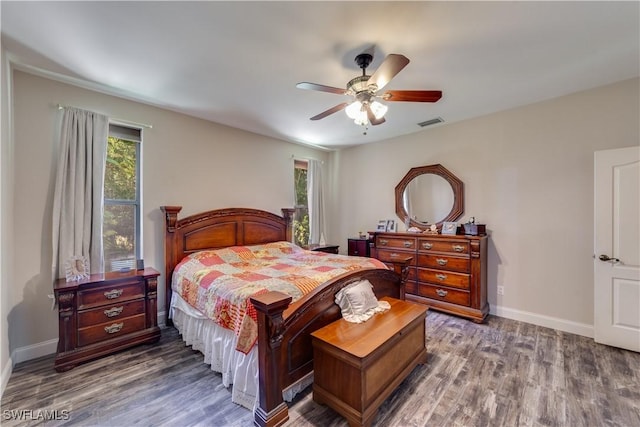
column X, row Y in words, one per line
column 378, row 109
column 354, row 109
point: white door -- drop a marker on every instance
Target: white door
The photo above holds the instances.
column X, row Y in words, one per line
column 617, row 248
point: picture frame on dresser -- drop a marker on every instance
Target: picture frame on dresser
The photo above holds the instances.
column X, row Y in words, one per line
column 391, row 226
column 449, row 228
column 382, row 225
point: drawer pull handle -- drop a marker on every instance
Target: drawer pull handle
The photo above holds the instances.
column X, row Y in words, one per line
column 441, row 277
column 113, row 311
column 441, row 292
column 408, row 243
column 427, row 245
column 458, row 248
column 441, row 261
column 384, row 242
column 116, row 327
column 113, row 294
column 394, row 255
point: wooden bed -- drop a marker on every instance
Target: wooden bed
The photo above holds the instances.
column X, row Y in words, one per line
column 285, row 351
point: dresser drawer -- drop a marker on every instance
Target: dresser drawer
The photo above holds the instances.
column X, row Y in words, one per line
column 444, row 278
column 112, row 329
column 444, row 262
column 109, row 295
column 110, row 313
column 386, row 255
column 408, row 243
column 433, row 245
column 445, row 294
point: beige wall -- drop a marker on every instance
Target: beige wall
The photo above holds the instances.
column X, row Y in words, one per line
column 528, row 174
column 186, row 161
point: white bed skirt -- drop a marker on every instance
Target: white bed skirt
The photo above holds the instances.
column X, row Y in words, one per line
column 218, row 345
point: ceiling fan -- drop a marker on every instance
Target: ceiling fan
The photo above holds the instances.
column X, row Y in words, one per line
column 365, row 108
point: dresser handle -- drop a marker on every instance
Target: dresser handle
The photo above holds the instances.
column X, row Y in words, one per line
column 441, row 261
column 394, row 255
column 114, row 311
column 116, row 327
column 458, row 248
column 408, row 243
column 113, row 294
column 384, row 242
column 441, row 277
column 427, row 245
column 441, row 292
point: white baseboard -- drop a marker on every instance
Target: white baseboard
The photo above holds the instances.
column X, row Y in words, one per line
column 545, row 321
column 22, row 354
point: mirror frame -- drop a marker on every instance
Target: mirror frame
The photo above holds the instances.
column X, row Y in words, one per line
column 456, row 185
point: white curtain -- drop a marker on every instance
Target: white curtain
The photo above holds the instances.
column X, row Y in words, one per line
column 316, row 202
column 79, row 190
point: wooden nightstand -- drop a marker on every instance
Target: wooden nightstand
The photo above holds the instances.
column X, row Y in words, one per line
column 358, row 247
column 104, row 314
column 330, row 249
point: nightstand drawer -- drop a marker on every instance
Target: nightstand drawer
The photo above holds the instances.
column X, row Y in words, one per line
column 445, row 294
column 444, row 278
column 112, row 294
column 112, row 329
column 109, row 313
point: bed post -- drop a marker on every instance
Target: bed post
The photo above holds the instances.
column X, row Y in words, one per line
column 170, row 261
column 271, row 411
column 287, row 214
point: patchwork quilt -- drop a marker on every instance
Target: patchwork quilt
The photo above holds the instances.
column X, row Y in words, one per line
column 220, row 282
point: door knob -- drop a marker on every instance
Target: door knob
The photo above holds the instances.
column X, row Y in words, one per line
column 604, row 257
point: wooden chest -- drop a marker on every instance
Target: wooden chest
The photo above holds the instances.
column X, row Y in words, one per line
column 105, row 313
column 358, row 365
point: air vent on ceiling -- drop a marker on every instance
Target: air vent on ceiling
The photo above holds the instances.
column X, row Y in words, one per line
column 431, row 122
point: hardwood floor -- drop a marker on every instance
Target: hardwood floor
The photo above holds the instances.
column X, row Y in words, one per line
column 502, row 373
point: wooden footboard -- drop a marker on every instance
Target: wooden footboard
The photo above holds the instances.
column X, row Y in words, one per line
column 284, row 342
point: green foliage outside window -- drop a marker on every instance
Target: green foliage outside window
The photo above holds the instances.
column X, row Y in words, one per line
column 119, row 223
column 301, row 216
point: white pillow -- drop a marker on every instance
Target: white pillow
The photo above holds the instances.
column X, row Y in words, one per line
column 358, row 302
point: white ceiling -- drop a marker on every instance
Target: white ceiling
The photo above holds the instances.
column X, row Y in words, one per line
column 237, row 63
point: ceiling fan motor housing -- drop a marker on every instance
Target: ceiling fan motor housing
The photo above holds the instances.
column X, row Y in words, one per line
column 363, row 60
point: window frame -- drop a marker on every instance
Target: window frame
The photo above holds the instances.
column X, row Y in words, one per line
column 133, row 132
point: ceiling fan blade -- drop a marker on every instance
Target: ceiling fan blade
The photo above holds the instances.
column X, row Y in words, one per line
column 372, row 117
column 412, row 95
column 330, row 111
column 391, row 66
column 321, row 88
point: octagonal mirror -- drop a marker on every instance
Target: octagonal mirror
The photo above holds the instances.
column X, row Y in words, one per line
column 429, row 195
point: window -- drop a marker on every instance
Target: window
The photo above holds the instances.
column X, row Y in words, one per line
column 301, row 215
column 121, row 223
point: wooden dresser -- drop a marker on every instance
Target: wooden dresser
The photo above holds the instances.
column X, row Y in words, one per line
column 448, row 272
column 358, row 365
column 104, row 314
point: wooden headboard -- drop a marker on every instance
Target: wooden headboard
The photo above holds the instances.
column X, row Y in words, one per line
column 218, row 229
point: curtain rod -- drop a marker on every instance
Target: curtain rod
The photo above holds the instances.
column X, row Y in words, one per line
column 294, row 157
column 118, row 121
